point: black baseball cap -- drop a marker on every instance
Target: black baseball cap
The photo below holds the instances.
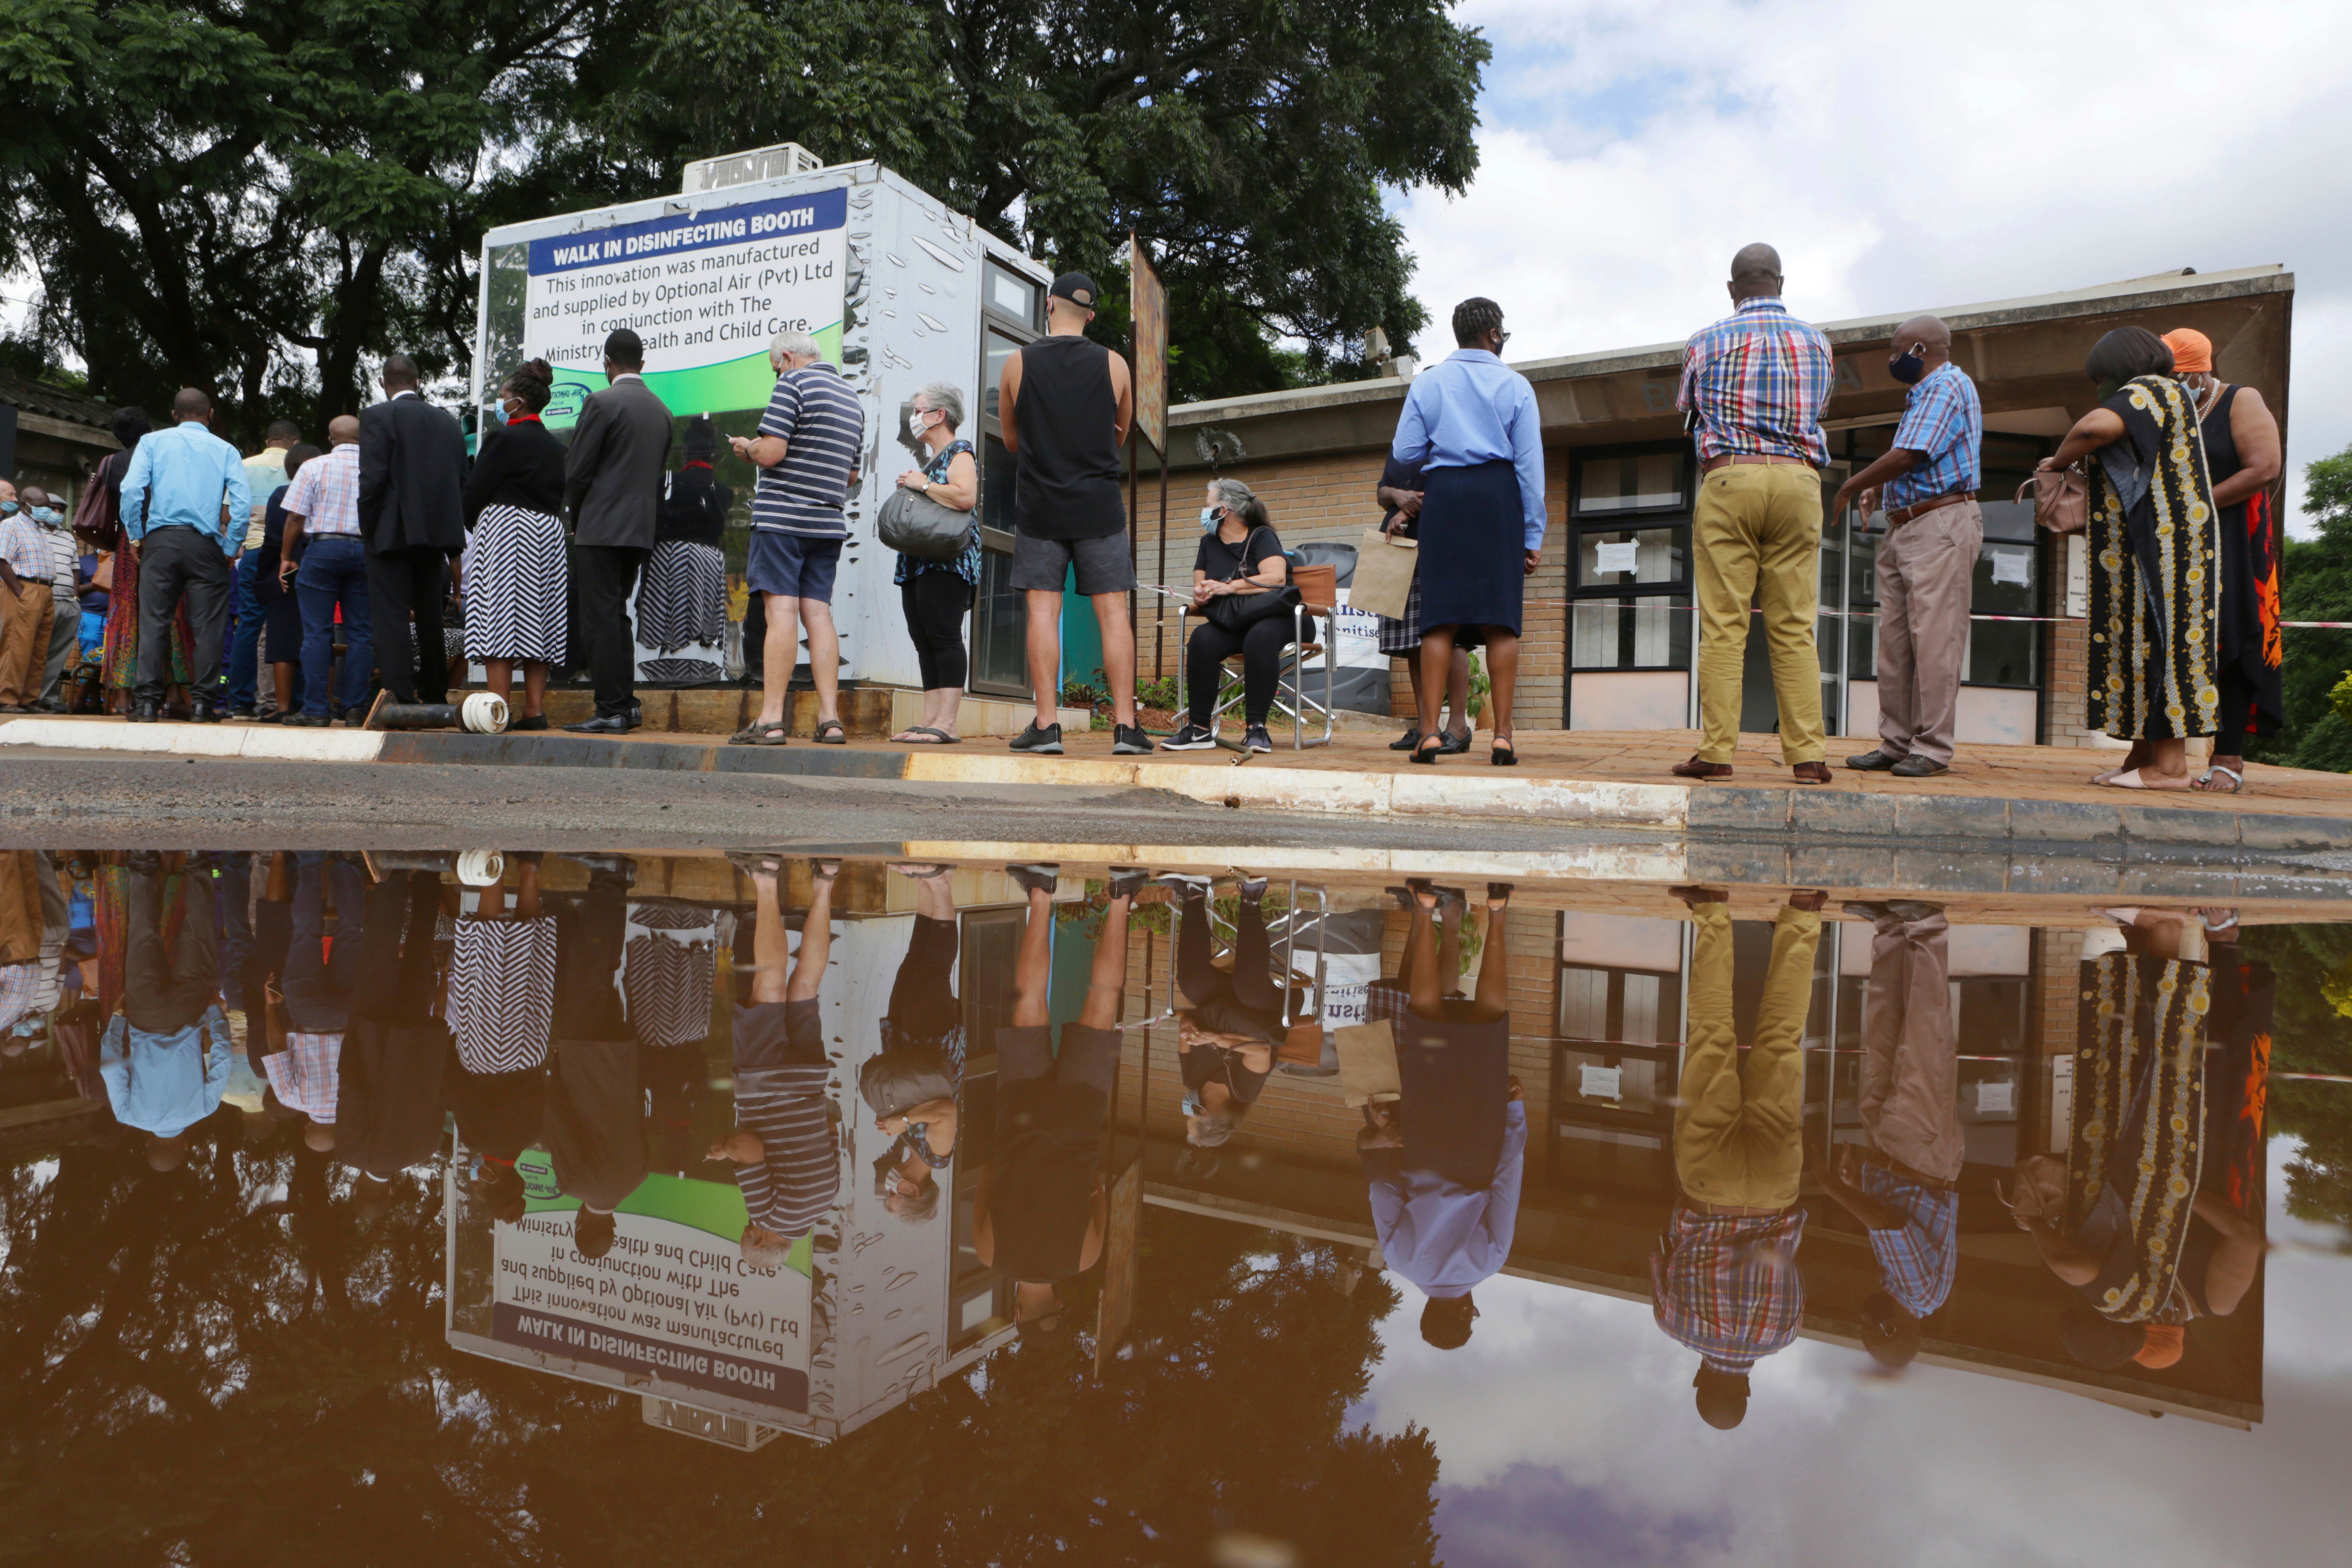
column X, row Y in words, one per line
column 1077, row 288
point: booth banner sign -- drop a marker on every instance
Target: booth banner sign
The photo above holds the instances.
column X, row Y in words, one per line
column 673, row 1301
column 705, row 291
column 1150, row 305
column 1360, row 674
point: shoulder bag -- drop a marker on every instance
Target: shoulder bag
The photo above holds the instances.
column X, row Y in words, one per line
column 914, row 524
column 1239, row 612
column 94, row 515
column 2061, row 499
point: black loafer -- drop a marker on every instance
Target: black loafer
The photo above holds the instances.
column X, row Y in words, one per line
column 610, row 724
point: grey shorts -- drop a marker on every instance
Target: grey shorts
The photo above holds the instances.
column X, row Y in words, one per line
column 1043, row 565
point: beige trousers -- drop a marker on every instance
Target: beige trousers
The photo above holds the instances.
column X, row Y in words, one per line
column 1926, row 568
column 1910, row 1065
column 1738, row 1135
column 25, row 640
column 1758, row 540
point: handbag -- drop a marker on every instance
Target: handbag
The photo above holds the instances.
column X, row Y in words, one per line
column 94, row 516
column 914, row 524
column 1384, row 567
column 2061, row 499
column 1239, row 612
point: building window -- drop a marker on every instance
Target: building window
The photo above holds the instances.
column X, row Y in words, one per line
column 1623, row 481
column 1629, row 555
column 1016, row 298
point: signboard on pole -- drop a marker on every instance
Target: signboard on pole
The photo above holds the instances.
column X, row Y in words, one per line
column 1148, row 303
column 704, row 290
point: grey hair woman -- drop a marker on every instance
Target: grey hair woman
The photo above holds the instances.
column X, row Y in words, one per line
column 935, row 594
column 1240, row 559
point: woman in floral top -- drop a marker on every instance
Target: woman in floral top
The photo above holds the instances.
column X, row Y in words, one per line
column 937, row 593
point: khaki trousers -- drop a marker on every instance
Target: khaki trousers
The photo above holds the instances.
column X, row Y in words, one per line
column 1927, row 569
column 1759, row 541
column 1911, row 1066
column 25, row 640
column 1739, row 1137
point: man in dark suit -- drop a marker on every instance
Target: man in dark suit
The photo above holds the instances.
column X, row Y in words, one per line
column 613, row 487
column 412, row 520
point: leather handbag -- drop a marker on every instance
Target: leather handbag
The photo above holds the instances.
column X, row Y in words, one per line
column 1238, row 612
column 914, row 524
column 94, row 515
column 2061, row 499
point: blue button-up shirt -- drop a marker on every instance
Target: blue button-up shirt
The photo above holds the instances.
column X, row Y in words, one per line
column 1944, row 423
column 179, row 478
column 1917, row 1260
column 165, row 1083
column 1443, row 1236
column 1472, row 408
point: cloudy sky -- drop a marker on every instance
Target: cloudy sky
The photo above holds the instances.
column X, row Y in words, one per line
column 1566, row 1434
column 1900, row 154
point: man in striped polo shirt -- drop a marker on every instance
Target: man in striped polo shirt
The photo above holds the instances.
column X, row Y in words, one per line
column 806, row 452
column 785, row 1144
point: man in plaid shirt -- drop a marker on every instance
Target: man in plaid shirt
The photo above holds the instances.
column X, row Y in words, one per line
column 1755, row 385
column 1724, row 1279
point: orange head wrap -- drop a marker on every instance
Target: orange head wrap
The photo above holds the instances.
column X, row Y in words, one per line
column 2192, row 351
column 2164, row 1343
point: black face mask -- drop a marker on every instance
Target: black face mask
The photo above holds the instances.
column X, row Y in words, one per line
column 1908, row 366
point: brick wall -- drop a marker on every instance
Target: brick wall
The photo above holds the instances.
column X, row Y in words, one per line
column 2066, row 680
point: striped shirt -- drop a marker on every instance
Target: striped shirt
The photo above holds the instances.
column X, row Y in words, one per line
column 1727, row 1285
column 308, row 1073
column 326, row 492
column 1944, row 423
column 64, row 554
column 1915, row 1263
column 1760, row 381
column 823, row 429
column 20, row 987
column 799, row 1175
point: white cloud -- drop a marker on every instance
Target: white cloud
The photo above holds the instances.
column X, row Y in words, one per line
column 1900, row 155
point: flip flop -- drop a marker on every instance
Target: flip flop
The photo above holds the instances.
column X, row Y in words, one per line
column 939, row 737
column 829, row 733
column 2237, row 785
column 2131, row 778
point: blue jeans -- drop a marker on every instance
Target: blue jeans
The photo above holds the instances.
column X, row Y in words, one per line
column 245, row 621
column 334, row 571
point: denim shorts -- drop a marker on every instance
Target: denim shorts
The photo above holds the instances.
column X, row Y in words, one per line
column 792, row 565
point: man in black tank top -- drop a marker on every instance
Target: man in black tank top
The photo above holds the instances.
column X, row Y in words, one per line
column 1066, row 403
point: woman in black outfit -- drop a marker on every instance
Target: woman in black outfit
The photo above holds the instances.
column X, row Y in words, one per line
column 913, row 1086
column 516, row 574
column 281, row 612
column 682, row 598
column 1224, row 1043
column 1240, row 559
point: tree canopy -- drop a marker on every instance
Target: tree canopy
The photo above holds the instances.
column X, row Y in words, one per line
column 2315, row 584
column 257, row 196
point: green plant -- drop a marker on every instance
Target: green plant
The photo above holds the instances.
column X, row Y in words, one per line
column 1161, row 693
column 1480, row 685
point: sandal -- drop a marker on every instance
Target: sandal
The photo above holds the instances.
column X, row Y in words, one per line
column 1429, row 749
column 776, row 735
column 2206, row 782
column 1504, row 753
column 939, row 737
column 831, row 727
column 2136, row 778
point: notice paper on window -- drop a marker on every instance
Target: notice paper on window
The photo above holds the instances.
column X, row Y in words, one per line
column 1996, row 1099
column 1617, row 557
column 1600, row 1083
column 2009, row 566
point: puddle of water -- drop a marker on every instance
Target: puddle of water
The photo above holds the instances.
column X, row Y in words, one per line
column 986, row 1212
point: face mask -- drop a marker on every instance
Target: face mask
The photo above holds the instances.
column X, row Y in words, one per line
column 1208, row 518
column 1908, row 366
column 915, row 423
column 48, row 516
column 7, row 509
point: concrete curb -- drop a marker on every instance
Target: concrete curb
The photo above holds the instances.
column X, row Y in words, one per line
column 2028, row 827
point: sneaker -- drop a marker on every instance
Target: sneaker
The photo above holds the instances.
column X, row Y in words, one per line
column 1917, row 765
column 1035, row 878
column 1127, row 881
column 1128, row 741
column 1256, row 739
column 1186, row 882
column 1046, row 741
column 1190, row 738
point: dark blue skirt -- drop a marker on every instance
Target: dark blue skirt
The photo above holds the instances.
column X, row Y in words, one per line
column 1455, row 1073
column 1473, row 535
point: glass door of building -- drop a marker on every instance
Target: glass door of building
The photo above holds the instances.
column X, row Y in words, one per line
column 1013, row 314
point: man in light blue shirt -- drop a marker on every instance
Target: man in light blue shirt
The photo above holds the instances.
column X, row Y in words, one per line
column 186, row 503
column 1471, row 421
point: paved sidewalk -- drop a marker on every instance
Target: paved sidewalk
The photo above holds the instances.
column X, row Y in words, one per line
column 2018, row 795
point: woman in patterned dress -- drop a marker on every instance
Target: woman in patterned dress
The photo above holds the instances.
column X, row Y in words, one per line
column 682, row 599
column 936, row 593
column 119, row 659
column 2156, row 564
column 516, row 573
column 502, row 978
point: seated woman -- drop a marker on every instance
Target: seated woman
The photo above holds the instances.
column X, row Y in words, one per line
column 1224, row 1042
column 1239, row 582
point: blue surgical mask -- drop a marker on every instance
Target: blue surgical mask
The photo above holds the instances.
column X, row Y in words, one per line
column 7, row 509
column 1909, row 365
column 1208, row 516
column 48, row 516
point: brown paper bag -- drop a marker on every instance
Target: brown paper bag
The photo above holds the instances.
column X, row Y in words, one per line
column 1367, row 1063
column 1383, row 579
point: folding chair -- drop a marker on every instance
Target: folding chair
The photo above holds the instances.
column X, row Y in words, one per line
column 1319, row 595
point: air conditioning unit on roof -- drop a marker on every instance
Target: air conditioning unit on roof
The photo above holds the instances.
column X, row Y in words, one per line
column 741, row 168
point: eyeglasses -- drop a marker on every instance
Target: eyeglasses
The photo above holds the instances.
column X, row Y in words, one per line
column 1502, row 340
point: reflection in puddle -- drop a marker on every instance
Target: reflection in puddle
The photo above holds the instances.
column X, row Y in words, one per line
column 1324, row 1183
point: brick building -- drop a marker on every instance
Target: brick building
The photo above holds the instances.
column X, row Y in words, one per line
column 1612, row 649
